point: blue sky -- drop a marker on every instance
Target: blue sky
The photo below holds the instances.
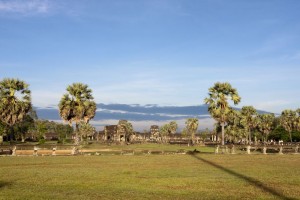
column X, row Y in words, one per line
column 165, row 52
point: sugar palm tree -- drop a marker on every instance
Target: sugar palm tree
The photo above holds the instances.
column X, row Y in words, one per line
column 218, row 102
column 287, row 120
column 173, row 127
column 234, row 127
column 297, row 120
column 164, row 131
column 191, row 127
column 86, row 130
column 77, row 105
column 249, row 119
column 266, row 123
column 15, row 101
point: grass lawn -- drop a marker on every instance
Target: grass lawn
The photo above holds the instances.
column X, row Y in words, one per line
column 199, row 176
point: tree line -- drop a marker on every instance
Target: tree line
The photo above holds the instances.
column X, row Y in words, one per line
column 247, row 123
column 77, row 107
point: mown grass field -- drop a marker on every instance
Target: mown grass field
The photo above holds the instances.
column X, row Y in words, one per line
column 199, row 176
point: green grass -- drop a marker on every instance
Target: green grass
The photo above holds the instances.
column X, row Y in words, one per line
column 200, row 176
column 148, row 146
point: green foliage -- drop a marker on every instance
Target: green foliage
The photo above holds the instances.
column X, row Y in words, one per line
column 218, row 105
column 77, row 105
column 63, row 131
column 266, row 124
column 23, row 127
column 15, row 101
column 287, row 120
column 173, row 127
column 3, row 129
column 85, row 130
column 42, row 141
column 279, row 133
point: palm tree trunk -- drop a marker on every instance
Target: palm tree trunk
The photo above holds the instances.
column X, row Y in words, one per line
column 77, row 130
column 223, row 136
column 23, row 137
column 250, row 136
column 291, row 136
column 11, row 134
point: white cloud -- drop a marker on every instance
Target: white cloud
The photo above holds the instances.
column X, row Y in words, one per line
column 24, row 7
column 45, row 98
column 276, row 105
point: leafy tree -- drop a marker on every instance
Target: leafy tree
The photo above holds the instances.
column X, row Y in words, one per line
column 287, row 120
column 3, row 130
column 63, row 131
column 77, row 105
column 184, row 133
column 234, row 127
column 279, row 133
column 22, row 128
column 41, row 129
column 218, row 102
column 173, row 127
column 15, row 102
column 297, row 120
column 164, row 131
column 249, row 120
column 266, row 124
column 191, row 127
column 86, row 130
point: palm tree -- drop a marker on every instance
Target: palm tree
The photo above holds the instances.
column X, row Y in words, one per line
column 218, row 102
column 234, row 127
column 297, row 120
column 173, row 127
column 249, row 119
column 86, row 130
column 15, row 101
column 164, row 131
column 287, row 120
column 266, row 124
column 77, row 105
column 192, row 126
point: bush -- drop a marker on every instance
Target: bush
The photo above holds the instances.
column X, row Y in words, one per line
column 279, row 133
column 42, row 141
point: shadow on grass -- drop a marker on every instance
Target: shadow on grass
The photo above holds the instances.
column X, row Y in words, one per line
column 250, row 180
column 3, row 184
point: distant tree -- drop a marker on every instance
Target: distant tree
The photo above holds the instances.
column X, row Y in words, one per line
column 3, row 130
column 15, row 102
column 63, row 131
column 164, row 131
column 234, row 128
column 191, row 127
column 77, row 105
column 279, row 133
column 86, row 130
column 287, row 120
column 297, row 120
column 266, row 124
column 41, row 129
column 184, row 133
column 218, row 102
column 173, row 127
column 22, row 128
column 249, row 120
